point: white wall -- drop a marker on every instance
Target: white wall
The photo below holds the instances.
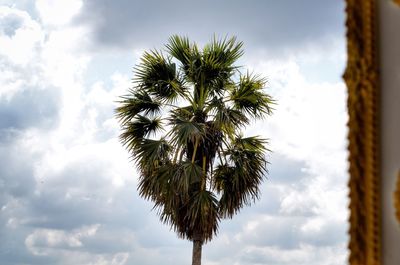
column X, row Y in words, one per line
column 389, row 28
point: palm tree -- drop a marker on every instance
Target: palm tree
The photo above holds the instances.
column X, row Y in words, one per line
column 182, row 123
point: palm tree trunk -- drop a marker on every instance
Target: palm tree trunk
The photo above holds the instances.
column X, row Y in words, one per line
column 196, row 256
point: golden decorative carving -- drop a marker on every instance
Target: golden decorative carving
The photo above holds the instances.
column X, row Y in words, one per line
column 397, row 2
column 396, row 197
column 361, row 77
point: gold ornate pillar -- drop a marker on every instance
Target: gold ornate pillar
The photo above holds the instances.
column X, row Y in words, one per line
column 396, row 198
column 362, row 79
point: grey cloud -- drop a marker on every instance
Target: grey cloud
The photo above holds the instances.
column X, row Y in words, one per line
column 14, row 252
column 287, row 233
column 51, row 210
column 16, row 177
column 23, row 210
column 26, row 5
column 106, row 241
column 258, row 257
column 165, row 255
column 43, row 204
column 10, row 23
column 331, row 233
column 157, row 235
column 17, row 186
column 302, row 256
column 79, row 196
column 284, row 170
column 34, row 102
column 30, row 107
column 282, row 232
column 272, row 25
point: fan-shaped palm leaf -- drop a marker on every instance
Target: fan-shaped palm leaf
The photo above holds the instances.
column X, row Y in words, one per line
column 134, row 131
column 184, row 131
column 249, row 97
column 187, row 54
column 150, row 153
column 135, row 103
column 203, row 215
column 228, row 118
column 158, row 76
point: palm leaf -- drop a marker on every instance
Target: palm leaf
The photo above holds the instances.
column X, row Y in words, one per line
column 223, row 53
column 202, row 214
column 151, row 153
column 228, row 118
column 184, row 131
column 134, row 131
column 158, row 76
column 186, row 174
column 154, row 181
column 248, row 96
column 187, row 54
column 135, row 103
column 239, row 180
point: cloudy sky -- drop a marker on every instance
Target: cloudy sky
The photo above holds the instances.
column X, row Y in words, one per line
column 67, row 188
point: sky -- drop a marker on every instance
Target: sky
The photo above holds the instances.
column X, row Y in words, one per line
column 67, row 186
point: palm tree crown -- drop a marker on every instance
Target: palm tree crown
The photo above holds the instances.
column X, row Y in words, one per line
column 182, row 123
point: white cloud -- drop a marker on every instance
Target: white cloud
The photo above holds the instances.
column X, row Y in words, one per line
column 41, row 241
column 314, row 113
column 300, row 203
column 20, row 36
column 305, row 255
column 58, row 12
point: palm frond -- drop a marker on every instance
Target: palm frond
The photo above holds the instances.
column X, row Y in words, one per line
column 134, row 131
column 186, row 113
column 185, row 175
column 227, row 118
column 217, row 65
column 223, row 53
column 239, row 180
column 253, row 143
column 184, row 130
column 135, row 103
column 180, row 48
column 154, row 181
column 203, row 215
column 152, row 153
column 187, row 54
column 249, row 97
column 219, row 85
column 158, row 76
